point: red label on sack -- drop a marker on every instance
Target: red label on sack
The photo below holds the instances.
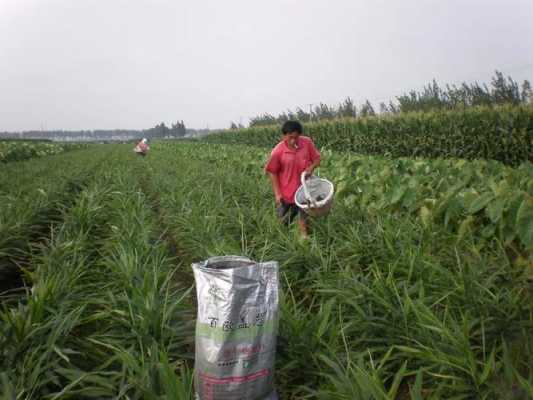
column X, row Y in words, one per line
column 234, row 379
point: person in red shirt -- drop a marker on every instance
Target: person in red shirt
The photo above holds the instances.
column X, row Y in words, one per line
column 293, row 155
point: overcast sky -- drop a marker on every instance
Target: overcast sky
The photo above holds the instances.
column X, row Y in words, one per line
column 80, row 64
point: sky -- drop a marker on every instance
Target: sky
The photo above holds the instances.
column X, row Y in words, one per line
column 131, row 64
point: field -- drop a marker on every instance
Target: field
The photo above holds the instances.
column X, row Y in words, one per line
column 502, row 133
column 18, row 150
column 416, row 286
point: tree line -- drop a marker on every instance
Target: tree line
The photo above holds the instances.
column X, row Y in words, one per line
column 501, row 90
column 160, row 131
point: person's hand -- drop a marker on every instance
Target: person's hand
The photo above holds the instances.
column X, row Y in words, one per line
column 308, row 171
column 278, row 199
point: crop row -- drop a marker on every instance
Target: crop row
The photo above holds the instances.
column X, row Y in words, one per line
column 21, row 150
column 499, row 133
column 105, row 317
column 33, row 196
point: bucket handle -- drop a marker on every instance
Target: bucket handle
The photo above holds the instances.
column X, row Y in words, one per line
column 308, row 197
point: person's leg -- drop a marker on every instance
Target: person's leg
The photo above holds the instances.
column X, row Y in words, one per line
column 302, row 223
column 289, row 212
column 292, row 213
column 282, row 212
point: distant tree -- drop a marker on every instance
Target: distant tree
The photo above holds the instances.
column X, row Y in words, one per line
column 347, row 109
column 393, row 108
column 505, row 90
column 283, row 117
column 323, row 111
column 383, row 109
column 477, row 95
column 367, row 110
column 431, row 97
column 159, row 131
column 408, row 102
column 178, row 129
column 527, row 93
column 291, row 115
column 163, row 129
column 302, row 115
column 263, row 119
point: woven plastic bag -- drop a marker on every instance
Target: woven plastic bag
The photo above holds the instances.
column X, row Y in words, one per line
column 236, row 328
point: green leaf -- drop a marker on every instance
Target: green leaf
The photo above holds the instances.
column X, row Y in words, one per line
column 480, row 203
column 397, row 380
column 350, row 200
column 489, row 367
column 409, row 198
column 425, row 215
column 454, row 210
column 464, row 228
column 524, row 222
column 397, row 194
column 416, row 390
column 324, row 318
column 495, row 210
column 512, row 208
column 488, row 231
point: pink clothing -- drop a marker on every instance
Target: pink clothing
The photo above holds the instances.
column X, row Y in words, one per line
column 288, row 164
column 143, row 147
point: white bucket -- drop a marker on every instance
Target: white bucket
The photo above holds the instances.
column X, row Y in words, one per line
column 315, row 195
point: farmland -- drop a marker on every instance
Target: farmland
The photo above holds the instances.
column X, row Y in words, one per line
column 18, row 150
column 500, row 133
column 416, row 286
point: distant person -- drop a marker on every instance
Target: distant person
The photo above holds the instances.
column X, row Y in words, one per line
column 293, row 155
column 142, row 147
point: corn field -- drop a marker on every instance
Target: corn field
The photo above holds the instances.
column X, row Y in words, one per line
column 503, row 133
column 416, row 286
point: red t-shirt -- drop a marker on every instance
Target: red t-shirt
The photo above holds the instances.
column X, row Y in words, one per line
column 288, row 164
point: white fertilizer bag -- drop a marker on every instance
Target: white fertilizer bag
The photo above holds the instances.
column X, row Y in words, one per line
column 236, row 328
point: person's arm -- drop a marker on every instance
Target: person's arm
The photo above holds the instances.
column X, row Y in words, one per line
column 315, row 159
column 309, row 170
column 272, row 168
column 275, row 187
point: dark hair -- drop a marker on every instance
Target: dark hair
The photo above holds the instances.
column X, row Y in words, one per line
column 291, row 126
